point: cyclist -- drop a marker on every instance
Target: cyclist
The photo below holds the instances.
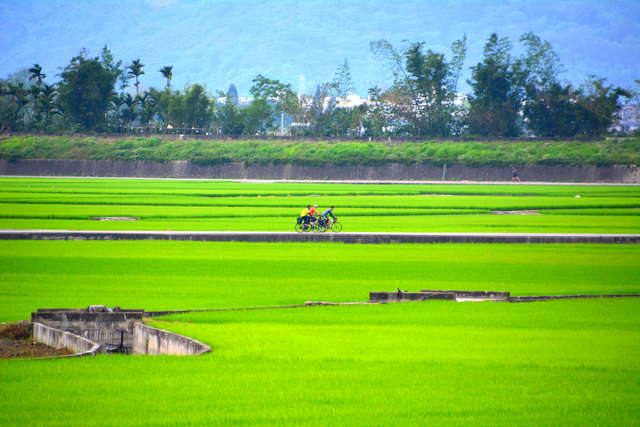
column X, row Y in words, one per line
column 305, row 215
column 328, row 213
column 313, row 211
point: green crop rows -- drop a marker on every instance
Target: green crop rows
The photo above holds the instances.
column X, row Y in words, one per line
column 208, row 205
column 570, row 362
column 562, row 362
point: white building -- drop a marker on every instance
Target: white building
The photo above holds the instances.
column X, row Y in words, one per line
column 628, row 119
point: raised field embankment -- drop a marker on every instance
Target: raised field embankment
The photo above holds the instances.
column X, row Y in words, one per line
column 283, row 236
column 606, row 161
column 388, row 171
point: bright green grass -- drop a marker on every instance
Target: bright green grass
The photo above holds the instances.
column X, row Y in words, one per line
column 432, row 222
column 432, row 363
column 231, row 188
column 162, row 275
column 215, row 205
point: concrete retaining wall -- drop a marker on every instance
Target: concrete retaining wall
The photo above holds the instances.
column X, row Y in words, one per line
column 390, row 171
column 149, row 340
column 58, row 338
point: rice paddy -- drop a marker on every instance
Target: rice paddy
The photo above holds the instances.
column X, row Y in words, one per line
column 40, row 203
column 574, row 362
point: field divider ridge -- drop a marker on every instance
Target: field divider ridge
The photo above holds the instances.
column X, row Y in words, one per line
column 281, row 236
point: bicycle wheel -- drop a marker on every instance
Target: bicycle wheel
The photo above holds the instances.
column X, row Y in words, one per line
column 299, row 227
column 337, row 227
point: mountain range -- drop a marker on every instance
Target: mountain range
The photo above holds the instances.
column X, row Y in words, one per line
column 302, row 42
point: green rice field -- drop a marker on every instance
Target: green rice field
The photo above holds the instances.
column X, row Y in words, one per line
column 41, row 203
column 569, row 362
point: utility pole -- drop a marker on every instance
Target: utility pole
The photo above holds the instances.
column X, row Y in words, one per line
column 282, row 123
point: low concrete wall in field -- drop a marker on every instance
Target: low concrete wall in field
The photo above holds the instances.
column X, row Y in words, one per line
column 108, row 329
column 400, row 296
column 556, row 297
column 389, row 171
column 58, row 338
column 150, row 340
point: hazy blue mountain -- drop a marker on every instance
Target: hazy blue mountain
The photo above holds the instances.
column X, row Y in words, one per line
column 302, row 42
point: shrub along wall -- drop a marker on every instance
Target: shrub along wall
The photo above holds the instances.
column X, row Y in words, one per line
column 307, row 153
column 574, row 161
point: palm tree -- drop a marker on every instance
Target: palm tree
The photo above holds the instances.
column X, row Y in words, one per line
column 47, row 104
column 37, row 74
column 129, row 114
column 167, row 73
column 135, row 70
column 20, row 97
column 148, row 106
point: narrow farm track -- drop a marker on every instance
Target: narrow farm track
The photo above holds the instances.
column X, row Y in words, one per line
column 275, row 236
column 353, row 181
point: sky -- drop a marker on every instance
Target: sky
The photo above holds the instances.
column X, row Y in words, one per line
column 302, row 42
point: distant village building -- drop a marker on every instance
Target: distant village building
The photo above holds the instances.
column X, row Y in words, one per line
column 628, row 120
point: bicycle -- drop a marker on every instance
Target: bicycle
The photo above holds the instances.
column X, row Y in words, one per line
column 318, row 225
column 330, row 225
column 302, row 227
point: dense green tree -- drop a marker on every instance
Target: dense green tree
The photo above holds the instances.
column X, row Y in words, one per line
column 148, row 106
column 597, row 106
column 424, row 88
column 549, row 106
column 198, row 107
column 258, row 117
column 379, row 118
column 18, row 95
column 48, row 105
column 552, row 111
column 135, row 71
column 276, row 94
column 129, row 110
column 229, row 116
column 86, row 91
column 347, row 121
column 497, row 91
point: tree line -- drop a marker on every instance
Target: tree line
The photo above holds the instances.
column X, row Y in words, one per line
column 510, row 96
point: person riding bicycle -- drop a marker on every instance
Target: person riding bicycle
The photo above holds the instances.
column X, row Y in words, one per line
column 313, row 211
column 328, row 213
column 305, row 215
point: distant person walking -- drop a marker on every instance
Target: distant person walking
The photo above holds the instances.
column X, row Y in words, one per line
column 514, row 174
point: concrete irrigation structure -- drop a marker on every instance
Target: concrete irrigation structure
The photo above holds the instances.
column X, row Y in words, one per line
column 88, row 333
column 283, row 236
column 450, row 295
